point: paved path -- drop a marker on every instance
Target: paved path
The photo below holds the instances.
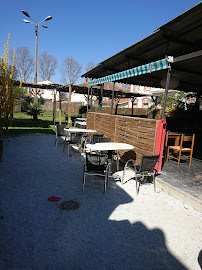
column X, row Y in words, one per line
column 118, row 230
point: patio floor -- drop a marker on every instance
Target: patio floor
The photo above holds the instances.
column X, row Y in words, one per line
column 119, row 230
column 184, row 178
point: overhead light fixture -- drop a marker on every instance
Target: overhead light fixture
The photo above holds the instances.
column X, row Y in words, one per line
column 36, row 42
column 174, row 83
column 48, row 18
column 25, row 13
column 26, row 21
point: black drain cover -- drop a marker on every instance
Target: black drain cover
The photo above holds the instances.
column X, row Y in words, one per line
column 69, row 205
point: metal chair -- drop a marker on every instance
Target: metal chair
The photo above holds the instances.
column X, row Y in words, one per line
column 60, row 133
column 96, row 164
column 115, row 155
column 104, row 139
column 182, row 149
column 75, row 138
column 96, row 137
column 142, row 171
column 84, row 140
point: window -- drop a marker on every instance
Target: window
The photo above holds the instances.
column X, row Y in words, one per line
column 145, row 105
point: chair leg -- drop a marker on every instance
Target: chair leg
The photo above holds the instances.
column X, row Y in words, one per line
column 123, row 176
column 106, row 179
column 105, row 184
column 167, row 155
column 84, row 181
column 137, row 186
column 154, row 181
column 179, row 157
column 68, row 149
column 117, row 162
column 190, row 159
column 64, row 145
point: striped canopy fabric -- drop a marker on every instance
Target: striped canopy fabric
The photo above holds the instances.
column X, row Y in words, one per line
column 147, row 68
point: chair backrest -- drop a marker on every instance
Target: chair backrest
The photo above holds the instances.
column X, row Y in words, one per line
column 75, row 137
column 60, row 129
column 187, row 138
column 96, row 162
column 96, row 136
column 148, row 162
column 104, row 139
column 172, row 138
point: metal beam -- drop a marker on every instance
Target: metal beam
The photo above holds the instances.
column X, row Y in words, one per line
column 187, row 56
column 166, row 93
column 112, row 98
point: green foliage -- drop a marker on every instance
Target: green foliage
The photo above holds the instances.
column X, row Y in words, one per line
column 175, row 102
column 22, row 92
column 23, row 124
column 29, row 99
column 82, row 109
column 41, row 100
column 124, row 111
column 35, row 110
column 8, row 93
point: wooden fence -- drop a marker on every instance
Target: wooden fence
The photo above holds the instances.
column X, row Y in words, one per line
column 139, row 132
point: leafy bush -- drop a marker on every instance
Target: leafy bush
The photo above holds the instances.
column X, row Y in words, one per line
column 82, row 110
column 35, row 110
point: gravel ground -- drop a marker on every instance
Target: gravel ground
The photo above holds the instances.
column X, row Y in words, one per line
column 119, row 230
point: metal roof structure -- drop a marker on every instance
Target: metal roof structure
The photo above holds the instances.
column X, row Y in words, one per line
column 82, row 89
column 34, row 85
column 180, row 38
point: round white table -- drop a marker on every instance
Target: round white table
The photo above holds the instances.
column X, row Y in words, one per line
column 81, row 119
column 82, row 130
column 78, row 124
column 109, row 146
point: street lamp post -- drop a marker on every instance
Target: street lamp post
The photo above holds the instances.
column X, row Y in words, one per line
column 36, row 42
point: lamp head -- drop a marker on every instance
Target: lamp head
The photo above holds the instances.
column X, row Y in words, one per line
column 174, row 82
column 25, row 13
column 44, row 26
column 26, row 21
column 48, row 18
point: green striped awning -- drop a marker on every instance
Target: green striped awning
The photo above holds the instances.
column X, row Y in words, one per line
column 147, row 68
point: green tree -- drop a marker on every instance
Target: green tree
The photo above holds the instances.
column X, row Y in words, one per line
column 8, row 93
column 175, row 102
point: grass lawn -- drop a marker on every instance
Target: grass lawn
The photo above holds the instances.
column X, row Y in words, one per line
column 24, row 124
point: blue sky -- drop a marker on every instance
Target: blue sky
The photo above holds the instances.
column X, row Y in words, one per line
column 91, row 30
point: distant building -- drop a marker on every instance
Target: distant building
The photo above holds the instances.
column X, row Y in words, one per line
column 47, row 94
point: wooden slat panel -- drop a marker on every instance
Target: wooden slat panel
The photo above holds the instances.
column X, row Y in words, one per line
column 141, row 133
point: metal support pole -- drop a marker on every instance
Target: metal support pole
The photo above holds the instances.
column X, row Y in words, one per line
column 60, row 109
column 69, row 106
column 88, row 98
column 54, row 106
column 36, row 48
column 112, row 98
column 117, row 104
column 91, row 98
column 166, row 92
column 100, row 98
column 132, row 100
